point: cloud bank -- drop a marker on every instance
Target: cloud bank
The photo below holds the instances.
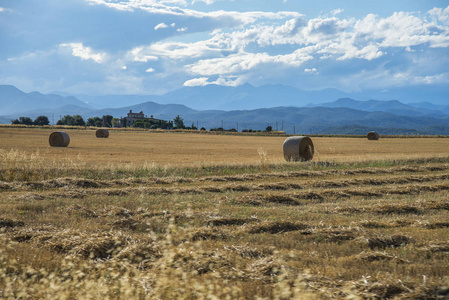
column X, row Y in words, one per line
column 169, row 44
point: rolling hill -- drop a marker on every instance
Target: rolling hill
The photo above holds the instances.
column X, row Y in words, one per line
column 392, row 106
column 14, row 101
column 342, row 116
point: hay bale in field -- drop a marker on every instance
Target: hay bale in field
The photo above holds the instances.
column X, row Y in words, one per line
column 298, row 148
column 102, row 133
column 373, row 136
column 59, row 139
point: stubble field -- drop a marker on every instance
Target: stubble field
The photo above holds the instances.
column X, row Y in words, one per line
column 151, row 215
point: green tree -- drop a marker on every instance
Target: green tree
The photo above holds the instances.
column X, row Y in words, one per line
column 79, row 120
column 76, row 120
column 141, row 124
column 66, row 120
column 269, row 128
column 41, row 121
column 179, row 122
column 23, row 120
column 95, row 122
column 115, row 122
column 107, row 120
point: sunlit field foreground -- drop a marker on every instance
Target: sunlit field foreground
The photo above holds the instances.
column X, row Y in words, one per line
column 150, row 151
column 151, row 215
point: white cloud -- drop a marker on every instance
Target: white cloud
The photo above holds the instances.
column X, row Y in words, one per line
column 440, row 14
column 85, row 53
column 232, row 64
column 227, row 18
column 337, row 11
column 320, row 30
column 178, row 50
column 2, row 9
column 312, row 71
column 227, row 54
column 137, row 55
column 433, row 79
column 243, row 48
column 231, row 48
column 202, row 81
column 222, row 80
column 401, row 30
column 124, row 68
column 243, row 62
column 160, row 26
column 231, row 80
column 208, row 2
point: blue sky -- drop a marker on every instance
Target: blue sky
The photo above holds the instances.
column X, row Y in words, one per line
column 155, row 46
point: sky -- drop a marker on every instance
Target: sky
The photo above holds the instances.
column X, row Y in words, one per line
column 102, row 47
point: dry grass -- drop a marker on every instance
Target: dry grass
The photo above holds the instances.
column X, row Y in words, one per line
column 373, row 226
column 141, row 148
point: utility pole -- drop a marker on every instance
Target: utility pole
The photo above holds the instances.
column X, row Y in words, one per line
column 282, row 125
column 294, row 129
column 276, row 125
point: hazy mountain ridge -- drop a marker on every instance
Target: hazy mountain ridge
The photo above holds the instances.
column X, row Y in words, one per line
column 392, row 106
column 113, row 101
column 13, row 101
column 362, row 130
column 313, row 118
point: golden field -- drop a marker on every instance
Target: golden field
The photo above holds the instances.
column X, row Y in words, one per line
column 124, row 148
column 154, row 215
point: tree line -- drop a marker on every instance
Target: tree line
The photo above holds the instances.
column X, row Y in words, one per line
column 177, row 123
column 75, row 120
column 40, row 121
column 110, row 121
column 105, row 121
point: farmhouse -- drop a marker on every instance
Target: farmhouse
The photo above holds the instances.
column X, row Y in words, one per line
column 132, row 117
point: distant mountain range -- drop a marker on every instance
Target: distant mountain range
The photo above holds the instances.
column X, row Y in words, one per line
column 285, row 108
column 13, row 100
column 391, row 106
column 215, row 97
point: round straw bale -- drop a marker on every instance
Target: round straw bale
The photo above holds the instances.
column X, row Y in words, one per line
column 373, row 136
column 298, row 148
column 59, row 139
column 102, row 133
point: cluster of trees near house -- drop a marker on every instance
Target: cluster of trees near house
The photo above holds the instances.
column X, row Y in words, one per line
column 39, row 121
column 110, row 121
column 105, row 121
column 177, row 123
column 153, row 124
column 75, row 120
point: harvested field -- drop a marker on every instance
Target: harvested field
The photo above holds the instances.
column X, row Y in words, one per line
column 134, row 149
column 186, row 216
